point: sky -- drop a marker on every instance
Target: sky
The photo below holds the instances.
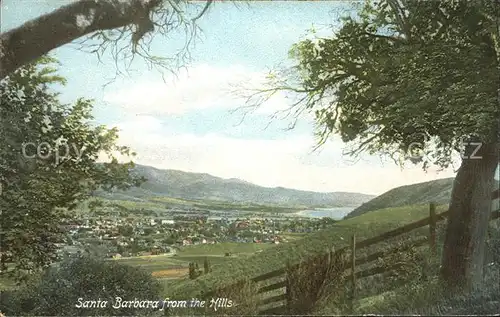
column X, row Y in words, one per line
column 191, row 121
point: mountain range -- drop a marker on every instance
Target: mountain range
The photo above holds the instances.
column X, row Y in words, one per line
column 201, row 186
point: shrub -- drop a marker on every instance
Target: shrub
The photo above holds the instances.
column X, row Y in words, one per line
column 18, row 301
column 194, row 270
column 58, row 291
column 317, row 281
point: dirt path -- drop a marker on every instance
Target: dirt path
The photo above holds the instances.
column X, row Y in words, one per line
column 171, row 273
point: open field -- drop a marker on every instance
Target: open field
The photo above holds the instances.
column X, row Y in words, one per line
column 222, row 248
column 292, row 236
column 161, row 265
column 152, row 264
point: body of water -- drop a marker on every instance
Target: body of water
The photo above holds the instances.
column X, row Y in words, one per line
column 336, row 213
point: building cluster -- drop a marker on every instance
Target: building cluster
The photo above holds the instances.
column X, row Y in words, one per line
column 134, row 236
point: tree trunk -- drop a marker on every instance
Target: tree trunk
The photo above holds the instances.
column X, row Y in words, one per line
column 470, row 210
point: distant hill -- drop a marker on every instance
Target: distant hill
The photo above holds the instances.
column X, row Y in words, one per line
column 179, row 184
column 438, row 191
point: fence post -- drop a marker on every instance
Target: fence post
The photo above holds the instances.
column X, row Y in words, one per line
column 353, row 273
column 432, row 227
column 329, row 256
column 206, row 266
column 288, row 290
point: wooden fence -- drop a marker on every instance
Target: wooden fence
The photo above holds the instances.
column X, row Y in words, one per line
column 284, row 299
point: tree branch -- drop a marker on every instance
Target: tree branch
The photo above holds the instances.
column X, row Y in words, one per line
column 39, row 36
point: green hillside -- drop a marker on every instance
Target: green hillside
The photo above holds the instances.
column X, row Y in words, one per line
column 338, row 235
column 438, row 191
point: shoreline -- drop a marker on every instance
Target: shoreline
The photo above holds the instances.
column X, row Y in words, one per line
column 340, row 212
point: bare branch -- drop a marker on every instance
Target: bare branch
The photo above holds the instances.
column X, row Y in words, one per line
column 209, row 2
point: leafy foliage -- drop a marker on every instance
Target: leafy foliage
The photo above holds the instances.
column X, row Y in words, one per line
column 421, row 76
column 41, row 187
column 416, row 80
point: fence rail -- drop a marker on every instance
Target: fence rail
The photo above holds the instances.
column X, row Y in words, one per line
column 355, row 246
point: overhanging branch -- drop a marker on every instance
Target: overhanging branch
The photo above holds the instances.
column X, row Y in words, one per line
column 39, row 36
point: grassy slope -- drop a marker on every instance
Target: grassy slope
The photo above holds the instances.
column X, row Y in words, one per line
column 365, row 226
column 438, row 191
column 154, row 263
column 431, row 299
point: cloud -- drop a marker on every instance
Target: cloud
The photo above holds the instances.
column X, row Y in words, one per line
column 284, row 162
column 197, row 88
